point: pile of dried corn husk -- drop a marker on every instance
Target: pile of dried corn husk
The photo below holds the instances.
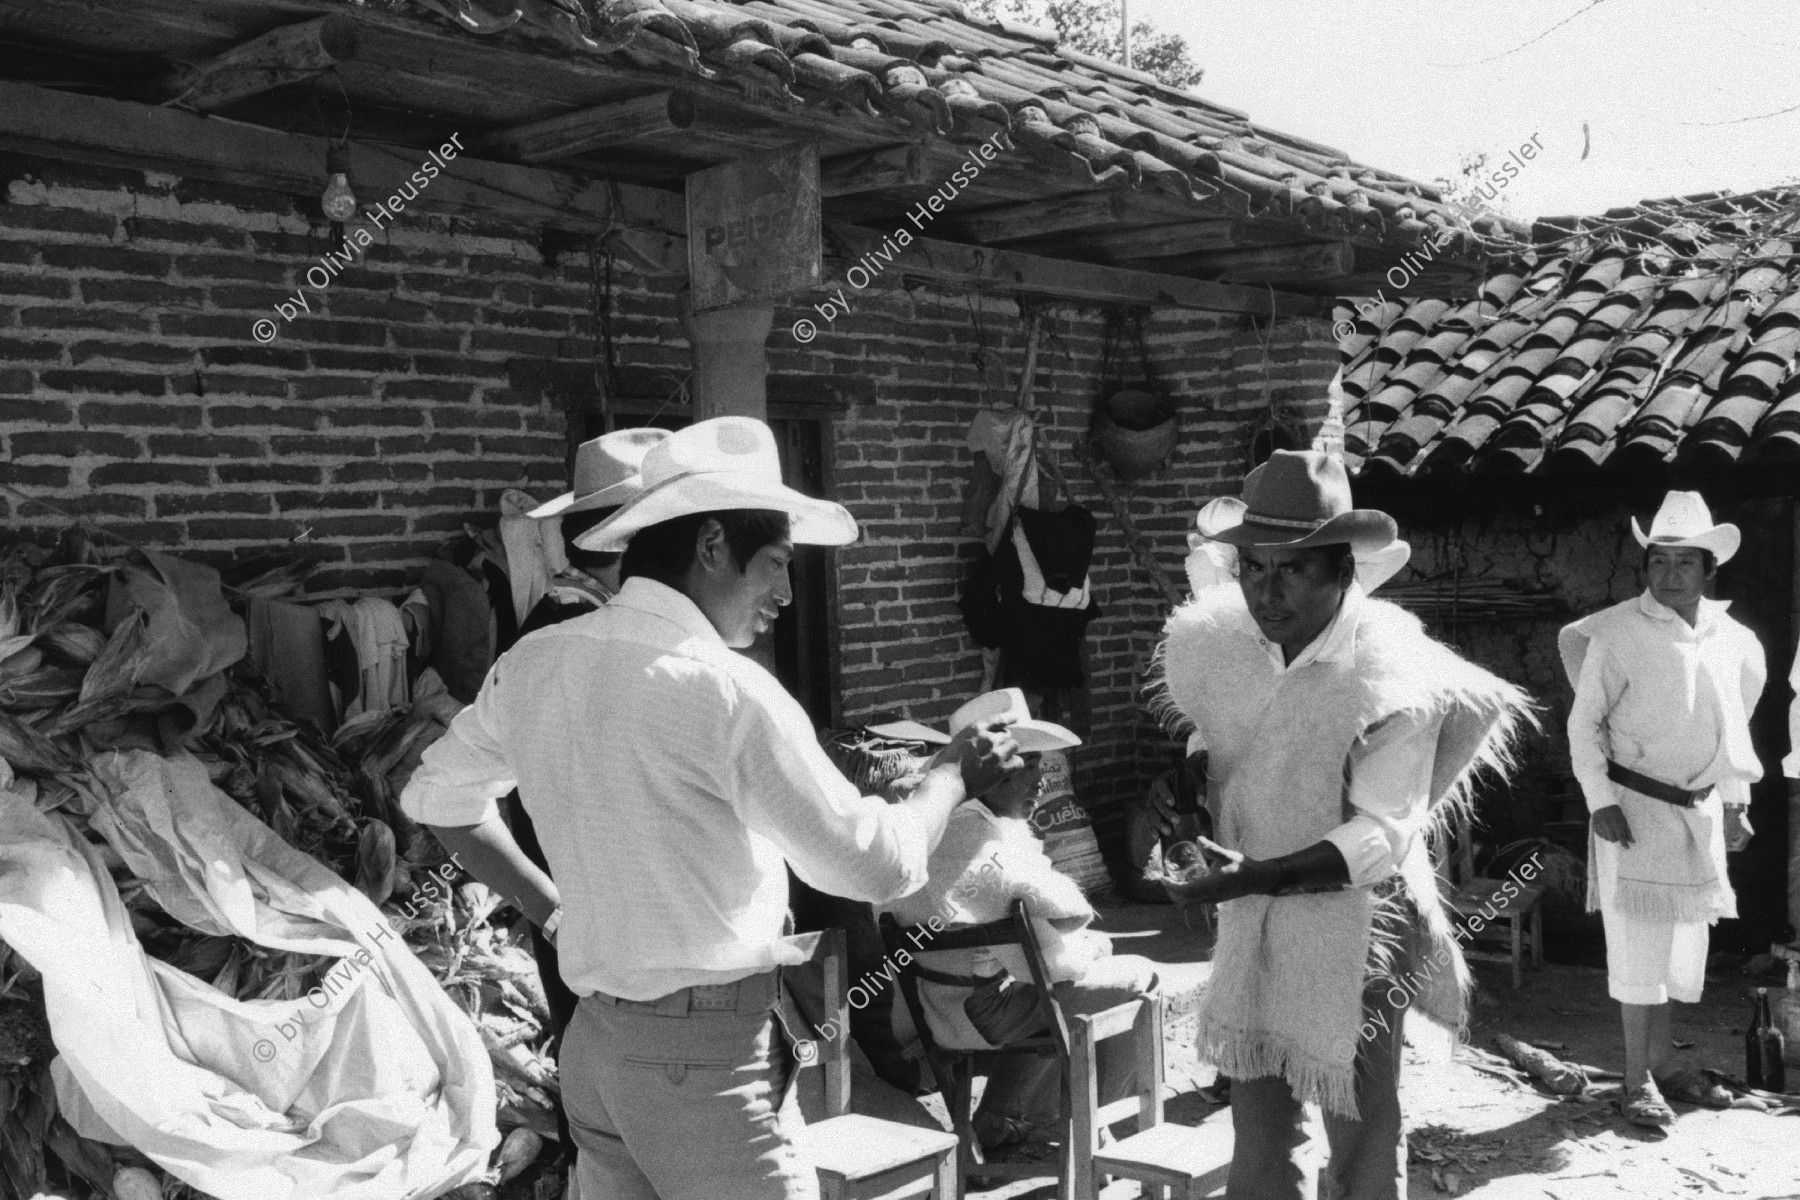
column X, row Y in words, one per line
column 69, row 691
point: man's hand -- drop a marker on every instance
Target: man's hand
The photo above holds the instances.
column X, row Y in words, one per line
column 1162, row 809
column 1737, row 827
column 1610, row 825
column 985, row 752
column 1231, row 876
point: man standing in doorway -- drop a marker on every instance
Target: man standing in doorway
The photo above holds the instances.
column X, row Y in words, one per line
column 673, row 781
column 1295, row 681
column 1659, row 737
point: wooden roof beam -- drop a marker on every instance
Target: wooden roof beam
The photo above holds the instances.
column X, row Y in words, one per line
column 279, row 57
column 1040, row 218
column 68, row 126
column 1012, row 271
column 1304, row 263
column 874, row 171
column 597, row 128
column 1161, row 241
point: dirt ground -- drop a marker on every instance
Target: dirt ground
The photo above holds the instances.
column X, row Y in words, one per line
column 1474, row 1133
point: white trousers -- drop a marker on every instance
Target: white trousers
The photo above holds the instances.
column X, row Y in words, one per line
column 1653, row 962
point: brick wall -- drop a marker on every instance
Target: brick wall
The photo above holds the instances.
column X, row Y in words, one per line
column 133, row 390
column 427, row 379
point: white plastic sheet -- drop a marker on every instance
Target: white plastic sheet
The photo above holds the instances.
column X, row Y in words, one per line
column 372, row 1087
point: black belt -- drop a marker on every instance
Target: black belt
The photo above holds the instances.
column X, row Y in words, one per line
column 948, row 980
column 1656, row 789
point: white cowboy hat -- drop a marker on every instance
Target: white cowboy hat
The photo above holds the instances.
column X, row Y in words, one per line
column 1301, row 498
column 724, row 463
column 1034, row 736
column 1684, row 520
column 606, row 472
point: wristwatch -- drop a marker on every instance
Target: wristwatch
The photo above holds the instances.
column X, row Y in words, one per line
column 550, row 924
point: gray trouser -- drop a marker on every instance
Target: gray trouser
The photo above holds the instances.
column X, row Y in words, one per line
column 684, row 1097
column 1368, row 1156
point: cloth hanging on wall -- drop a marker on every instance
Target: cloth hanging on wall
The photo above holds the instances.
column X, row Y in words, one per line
column 374, row 628
column 1032, row 599
column 1006, row 439
column 463, row 627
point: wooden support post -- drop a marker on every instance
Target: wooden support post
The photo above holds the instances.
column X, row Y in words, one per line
column 592, row 128
column 282, row 56
column 731, row 359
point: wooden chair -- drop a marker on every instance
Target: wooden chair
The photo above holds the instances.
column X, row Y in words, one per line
column 1168, row 1160
column 955, row 1070
column 1471, row 895
column 860, row 1157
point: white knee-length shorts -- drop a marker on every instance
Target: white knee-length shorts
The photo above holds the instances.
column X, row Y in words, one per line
column 1653, row 962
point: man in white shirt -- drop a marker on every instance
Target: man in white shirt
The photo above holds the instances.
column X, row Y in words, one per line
column 672, row 782
column 1659, row 738
column 1330, row 921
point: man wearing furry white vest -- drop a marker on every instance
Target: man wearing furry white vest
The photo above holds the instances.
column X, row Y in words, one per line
column 1659, row 737
column 1337, row 733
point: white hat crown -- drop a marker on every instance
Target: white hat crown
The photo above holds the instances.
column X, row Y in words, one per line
column 740, row 446
column 1685, row 520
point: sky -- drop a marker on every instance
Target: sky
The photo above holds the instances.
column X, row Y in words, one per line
column 1661, row 86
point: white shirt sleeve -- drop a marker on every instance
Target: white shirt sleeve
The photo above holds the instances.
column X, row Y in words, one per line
column 844, row 844
column 1597, row 692
column 1390, row 788
column 1790, row 766
column 463, row 773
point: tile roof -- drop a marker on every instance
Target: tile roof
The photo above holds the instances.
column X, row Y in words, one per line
column 1665, row 335
column 929, row 69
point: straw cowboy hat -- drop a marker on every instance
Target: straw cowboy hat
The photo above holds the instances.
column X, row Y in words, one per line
column 1684, row 520
column 1034, row 736
column 1301, row 498
column 724, row 463
column 606, row 472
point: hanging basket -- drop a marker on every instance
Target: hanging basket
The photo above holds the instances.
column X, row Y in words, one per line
column 1135, row 432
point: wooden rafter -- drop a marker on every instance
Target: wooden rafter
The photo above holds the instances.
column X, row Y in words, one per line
column 64, row 125
column 597, row 128
column 1306, row 261
column 279, row 57
column 982, row 268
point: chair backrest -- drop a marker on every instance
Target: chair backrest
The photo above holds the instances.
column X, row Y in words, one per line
column 1014, row 929
column 832, row 1048
column 1142, row 1021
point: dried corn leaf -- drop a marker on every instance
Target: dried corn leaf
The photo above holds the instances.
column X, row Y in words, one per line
column 59, row 592
column 28, row 750
column 375, row 861
column 19, row 657
column 116, row 670
column 9, row 612
column 43, row 688
column 77, row 643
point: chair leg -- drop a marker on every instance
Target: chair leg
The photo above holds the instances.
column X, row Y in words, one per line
column 1537, row 935
column 959, row 1100
column 1518, row 951
column 949, row 1177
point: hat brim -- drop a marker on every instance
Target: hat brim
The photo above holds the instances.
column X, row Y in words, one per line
column 814, row 522
column 1034, row 736
column 910, row 731
column 1365, row 529
column 607, row 497
column 1721, row 540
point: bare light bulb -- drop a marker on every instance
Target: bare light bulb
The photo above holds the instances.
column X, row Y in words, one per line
column 338, row 201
